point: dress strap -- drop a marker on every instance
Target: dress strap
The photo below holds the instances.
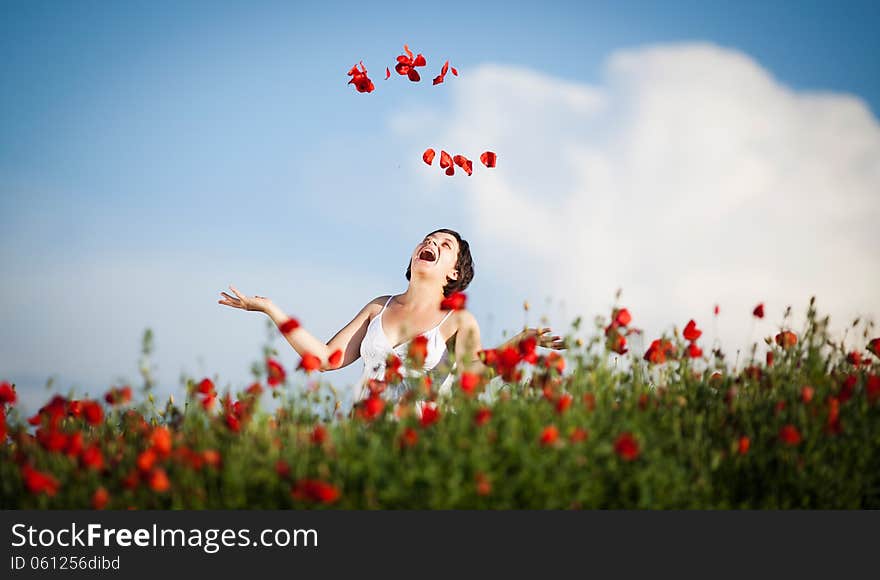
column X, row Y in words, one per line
column 445, row 317
column 387, row 303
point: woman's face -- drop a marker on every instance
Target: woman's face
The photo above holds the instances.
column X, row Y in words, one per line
column 436, row 256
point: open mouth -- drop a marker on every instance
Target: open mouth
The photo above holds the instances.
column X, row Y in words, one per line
column 428, row 255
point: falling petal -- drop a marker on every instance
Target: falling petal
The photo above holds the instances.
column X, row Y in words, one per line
column 488, row 158
column 414, row 75
column 420, row 61
column 445, row 68
column 387, row 73
column 402, row 68
column 454, row 71
column 428, row 156
column 450, row 170
column 445, row 160
column 438, row 79
column 407, row 51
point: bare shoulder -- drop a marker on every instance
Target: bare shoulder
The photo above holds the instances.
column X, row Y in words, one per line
column 464, row 319
column 375, row 305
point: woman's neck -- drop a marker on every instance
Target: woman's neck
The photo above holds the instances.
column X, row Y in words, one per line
column 418, row 296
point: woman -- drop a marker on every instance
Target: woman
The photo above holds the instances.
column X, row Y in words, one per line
column 439, row 266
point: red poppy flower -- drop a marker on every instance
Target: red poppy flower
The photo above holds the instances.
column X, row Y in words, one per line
column 527, row 350
column 847, row 388
column 7, row 394
column 288, row 326
column 3, row 431
column 833, row 422
column 874, row 347
column 428, row 156
column 409, row 437
column 578, row 435
column 659, row 349
column 406, row 64
column 691, row 332
column 38, row 482
column 508, row 359
column 160, row 439
column 555, row 360
column 758, row 312
column 742, row 446
column 489, row 356
column 455, row 301
column 469, row 382
column 786, row 339
column 790, row 435
column 93, row 412
column 371, row 408
column 319, row 434
column 618, row 344
column 418, row 350
column 464, row 163
column 769, row 358
column 779, row 407
column 92, row 458
column 627, row 447
column 119, row 396
column 549, row 435
column 100, row 498
column 807, row 393
column 360, row 80
column 488, row 159
column 563, row 403
column 276, row 372
column 208, row 401
column 255, row 390
column 484, row 486
column 590, row 401
column 212, row 458
column 316, row 491
column 621, row 317
column 430, row 414
column 694, row 351
column 392, row 369
column 282, row 468
column 482, row 416
column 854, row 358
column 872, row 389
column 309, row 363
column 158, row 481
column 206, row 387
column 335, row 358
column 146, row 459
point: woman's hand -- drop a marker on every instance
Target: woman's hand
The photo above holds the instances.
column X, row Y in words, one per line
column 540, row 334
column 257, row 303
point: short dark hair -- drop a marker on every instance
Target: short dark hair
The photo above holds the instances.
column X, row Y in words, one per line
column 464, row 265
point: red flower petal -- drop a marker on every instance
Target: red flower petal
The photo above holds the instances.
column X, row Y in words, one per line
column 450, row 170
column 454, row 71
column 488, row 158
column 420, row 60
column 445, row 160
column 428, row 156
column 445, row 68
column 438, row 79
column 414, row 75
column 387, row 73
column 464, row 163
column 402, row 68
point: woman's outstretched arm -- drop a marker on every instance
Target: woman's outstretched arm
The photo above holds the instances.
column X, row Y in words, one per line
column 468, row 344
column 347, row 340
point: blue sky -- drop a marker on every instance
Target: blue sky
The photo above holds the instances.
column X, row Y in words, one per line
column 153, row 152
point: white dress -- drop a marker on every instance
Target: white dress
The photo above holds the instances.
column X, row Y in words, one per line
column 375, row 348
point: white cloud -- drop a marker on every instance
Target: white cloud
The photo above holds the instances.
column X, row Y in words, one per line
column 688, row 177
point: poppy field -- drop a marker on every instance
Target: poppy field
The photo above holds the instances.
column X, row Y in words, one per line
column 603, row 424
